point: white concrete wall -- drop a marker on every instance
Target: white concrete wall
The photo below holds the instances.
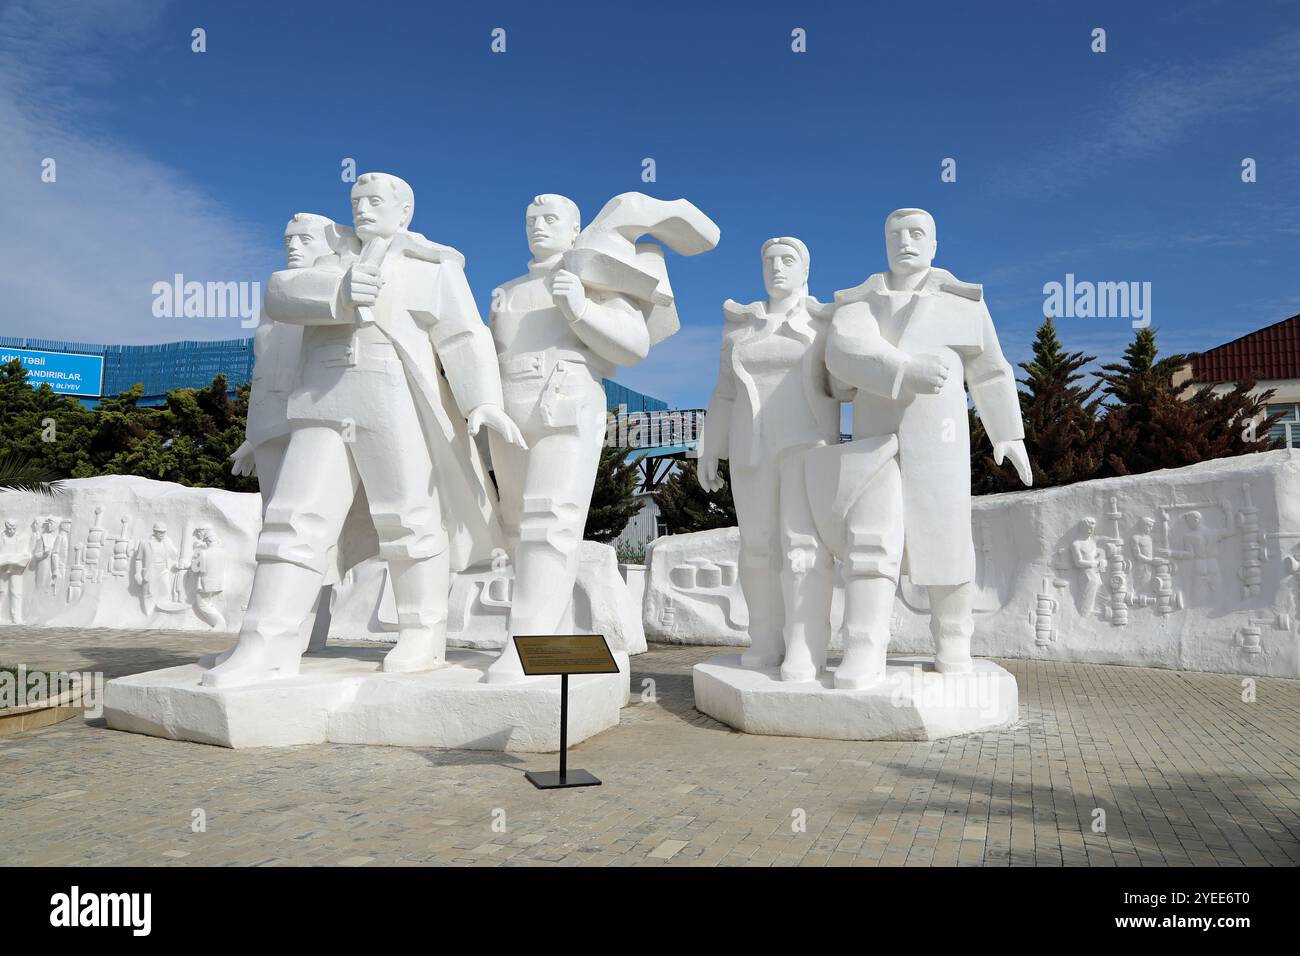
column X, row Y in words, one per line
column 1235, row 611
column 361, row 605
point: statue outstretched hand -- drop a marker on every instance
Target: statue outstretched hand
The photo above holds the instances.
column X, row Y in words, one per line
column 1015, row 450
column 495, row 418
column 707, row 473
column 242, row 461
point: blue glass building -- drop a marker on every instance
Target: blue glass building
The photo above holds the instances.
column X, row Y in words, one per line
column 194, row 364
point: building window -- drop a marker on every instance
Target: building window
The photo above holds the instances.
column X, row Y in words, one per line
column 1287, row 428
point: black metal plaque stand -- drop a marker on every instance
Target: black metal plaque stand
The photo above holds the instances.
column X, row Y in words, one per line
column 564, row 777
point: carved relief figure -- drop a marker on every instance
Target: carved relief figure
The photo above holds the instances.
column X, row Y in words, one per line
column 1200, row 550
column 1090, row 561
column 155, row 562
column 208, row 565
column 43, row 556
column 59, row 559
column 16, row 549
column 1144, row 555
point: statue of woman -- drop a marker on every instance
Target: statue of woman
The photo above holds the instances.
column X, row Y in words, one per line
column 774, row 400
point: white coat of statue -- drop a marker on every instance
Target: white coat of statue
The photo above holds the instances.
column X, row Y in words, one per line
column 912, row 341
column 773, row 401
column 394, row 359
column 277, row 348
column 592, row 300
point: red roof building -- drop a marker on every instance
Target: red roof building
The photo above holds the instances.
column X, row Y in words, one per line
column 1271, row 358
column 1270, row 353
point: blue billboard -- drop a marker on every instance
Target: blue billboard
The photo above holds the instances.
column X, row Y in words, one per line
column 65, row 372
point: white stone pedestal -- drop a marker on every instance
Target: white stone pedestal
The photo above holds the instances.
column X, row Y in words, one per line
column 341, row 696
column 913, row 702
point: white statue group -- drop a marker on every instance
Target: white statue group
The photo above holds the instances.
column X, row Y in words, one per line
column 374, row 372
column 903, row 347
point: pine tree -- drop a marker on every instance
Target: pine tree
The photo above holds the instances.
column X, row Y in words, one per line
column 985, row 477
column 613, row 499
column 1062, row 435
column 188, row 440
column 684, row 506
column 1152, row 423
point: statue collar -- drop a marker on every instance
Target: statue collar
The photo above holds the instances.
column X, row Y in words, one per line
column 541, row 267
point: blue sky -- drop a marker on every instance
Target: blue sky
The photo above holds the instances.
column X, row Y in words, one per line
column 1120, row 166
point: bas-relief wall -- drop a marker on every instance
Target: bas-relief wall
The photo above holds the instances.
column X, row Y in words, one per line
column 1195, row 568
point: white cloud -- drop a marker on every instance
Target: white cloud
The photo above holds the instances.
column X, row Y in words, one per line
column 81, row 254
column 1152, row 108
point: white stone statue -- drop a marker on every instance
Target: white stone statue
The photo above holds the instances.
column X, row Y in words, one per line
column 912, row 341
column 592, row 300
column 156, row 561
column 16, row 552
column 774, row 400
column 277, row 346
column 395, row 358
column 277, row 349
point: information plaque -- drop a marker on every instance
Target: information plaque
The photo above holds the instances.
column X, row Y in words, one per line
column 548, row 655
column 560, row 654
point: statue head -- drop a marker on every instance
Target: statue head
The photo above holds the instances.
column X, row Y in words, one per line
column 1147, row 524
column 785, row 266
column 65, row 524
column 551, row 223
column 159, row 530
column 910, row 241
column 49, row 524
column 1090, row 525
column 382, row 205
column 304, row 239
column 1193, row 519
column 11, row 527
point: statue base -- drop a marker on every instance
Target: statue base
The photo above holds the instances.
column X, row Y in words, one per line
column 912, row 702
column 341, row 696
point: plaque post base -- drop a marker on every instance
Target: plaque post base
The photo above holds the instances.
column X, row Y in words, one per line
column 552, row 780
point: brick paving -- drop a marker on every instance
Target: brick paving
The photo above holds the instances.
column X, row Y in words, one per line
column 1185, row 772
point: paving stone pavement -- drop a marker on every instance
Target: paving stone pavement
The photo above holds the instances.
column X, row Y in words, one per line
column 1185, row 772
